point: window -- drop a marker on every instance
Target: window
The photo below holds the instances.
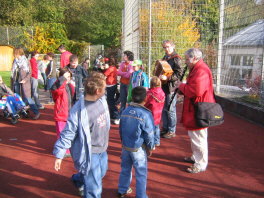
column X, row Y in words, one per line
column 247, row 61
column 235, row 59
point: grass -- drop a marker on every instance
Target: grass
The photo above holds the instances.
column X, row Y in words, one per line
column 6, row 77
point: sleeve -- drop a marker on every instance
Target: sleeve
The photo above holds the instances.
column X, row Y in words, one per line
column 145, row 80
column 148, row 130
column 177, row 70
column 197, row 85
column 67, row 135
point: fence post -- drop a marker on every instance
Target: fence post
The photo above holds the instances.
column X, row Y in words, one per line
column 150, row 35
column 261, row 99
column 220, row 46
column 7, row 35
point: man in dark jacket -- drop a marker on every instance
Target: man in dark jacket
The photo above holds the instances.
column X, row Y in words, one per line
column 169, row 117
column 79, row 74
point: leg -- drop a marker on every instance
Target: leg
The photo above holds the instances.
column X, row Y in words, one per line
column 93, row 181
column 123, row 96
column 60, row 125
column 125, row 176
column 111, row 102
column 34, row 91
column 172, row 118
column 141, row 170
column 199, row 147
column 157, row 135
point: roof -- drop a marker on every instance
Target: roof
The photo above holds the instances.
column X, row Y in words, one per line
column 252, row 35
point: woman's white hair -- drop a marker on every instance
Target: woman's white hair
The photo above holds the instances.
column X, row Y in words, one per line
column 194, row 52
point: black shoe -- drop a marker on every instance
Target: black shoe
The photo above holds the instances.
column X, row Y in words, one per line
column 189, row 160
column 129, row 191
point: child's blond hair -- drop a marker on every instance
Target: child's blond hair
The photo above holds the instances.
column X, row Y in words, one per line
column 155, row 82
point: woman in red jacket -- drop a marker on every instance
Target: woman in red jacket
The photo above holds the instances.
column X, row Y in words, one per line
column 62, row 93
column 155, row 102
column 198, row 88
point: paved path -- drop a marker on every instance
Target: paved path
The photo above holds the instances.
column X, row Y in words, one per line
column 236, row 156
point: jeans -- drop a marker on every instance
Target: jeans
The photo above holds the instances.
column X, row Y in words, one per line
column 169, row 118
column 33, row 106
column 156, row 134
column 44, row 80
column 111, row 91
column 123, row 96
column 93, row 181
column 14, row 103
column 139, row 161
column 34, row 91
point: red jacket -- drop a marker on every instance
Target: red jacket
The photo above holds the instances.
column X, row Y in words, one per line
column 65, row 58
column 198, row 88
column 111, row 75
column 34, row 68
column 62, row 94
column 155, row 102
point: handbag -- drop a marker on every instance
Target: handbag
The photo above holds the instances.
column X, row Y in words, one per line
column 208, row 114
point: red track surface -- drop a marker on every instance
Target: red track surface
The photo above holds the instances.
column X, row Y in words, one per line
column 236, row 157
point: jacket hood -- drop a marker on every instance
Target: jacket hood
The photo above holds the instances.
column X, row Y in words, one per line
column 158, row 93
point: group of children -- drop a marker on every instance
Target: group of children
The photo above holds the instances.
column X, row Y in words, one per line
column 139, row 126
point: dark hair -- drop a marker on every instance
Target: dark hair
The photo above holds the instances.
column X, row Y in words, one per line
column 34, row 53
column 94, row 82
column 63, row 71
column 130, row 55
column 139, row 94
column 112, row 61
column 46, row 57
column 73, row 57
column 50, row 54
column 62, row 47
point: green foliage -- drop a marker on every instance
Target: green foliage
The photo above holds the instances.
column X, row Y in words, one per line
column 47, row 37
column 78, row 48
column 6, row 77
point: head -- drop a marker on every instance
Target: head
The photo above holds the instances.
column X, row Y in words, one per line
column 50, row 56
column 86, row 60
column 67, row 74
column 137, row 65
column 139, row 94
column 168, row 47
column 155, row 82
column 112, row 61
column 62, row 48
column 128, row 56
column 35, row 54
column 73, row 61
column 192, row 56
column 46, row 58
column 18, row 52
column 95, row 85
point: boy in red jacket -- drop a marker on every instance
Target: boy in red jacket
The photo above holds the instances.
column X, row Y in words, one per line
column 155, row 102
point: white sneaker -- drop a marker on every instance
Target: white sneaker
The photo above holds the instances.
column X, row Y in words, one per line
column 115, row 121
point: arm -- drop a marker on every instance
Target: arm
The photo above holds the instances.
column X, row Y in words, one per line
column 148, row 131
column 177, row 71
column 195, row 86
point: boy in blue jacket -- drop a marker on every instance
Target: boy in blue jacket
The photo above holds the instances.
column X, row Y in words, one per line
column 137, row 136
column 86, row 135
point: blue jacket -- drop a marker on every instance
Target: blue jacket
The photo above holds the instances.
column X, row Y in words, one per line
column 76, row 136
column 136, row 127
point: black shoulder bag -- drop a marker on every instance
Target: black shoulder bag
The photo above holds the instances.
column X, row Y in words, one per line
column 208, row 114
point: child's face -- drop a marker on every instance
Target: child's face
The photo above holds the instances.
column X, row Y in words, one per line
column 136, row 68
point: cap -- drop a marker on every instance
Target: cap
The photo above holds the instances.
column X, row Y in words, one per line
column 137, row 63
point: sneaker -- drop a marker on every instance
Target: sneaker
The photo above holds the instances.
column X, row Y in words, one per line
column 36, row 116
column 129, row 191
column 41, row 107
column 194, row 169
column 157, row 144
column 67, row 155
column 115, row 121
column 169, row 135
column 162, row 132
column 189, row 160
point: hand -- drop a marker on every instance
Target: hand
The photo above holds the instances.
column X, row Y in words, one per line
column 22, row 81
column 163, row 77
column 106, row 66
column 57, row 164
column 149, row 152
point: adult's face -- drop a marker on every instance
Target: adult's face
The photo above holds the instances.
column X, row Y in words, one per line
column 168, row 48
column 74, row 63
column 189, row 61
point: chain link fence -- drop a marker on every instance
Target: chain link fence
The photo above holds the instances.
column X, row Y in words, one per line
column 230, row 34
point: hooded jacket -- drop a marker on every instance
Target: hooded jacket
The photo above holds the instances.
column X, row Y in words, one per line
column 155, row 102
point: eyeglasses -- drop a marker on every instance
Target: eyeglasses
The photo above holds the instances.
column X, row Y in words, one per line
column 166, row 47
